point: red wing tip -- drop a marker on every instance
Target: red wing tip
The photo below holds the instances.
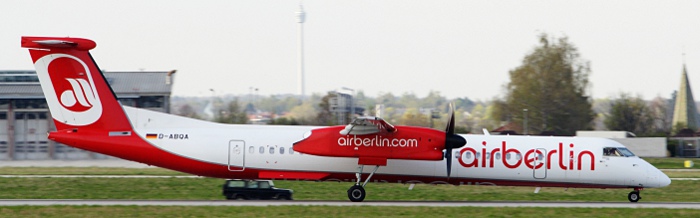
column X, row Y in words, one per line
column 57, row 42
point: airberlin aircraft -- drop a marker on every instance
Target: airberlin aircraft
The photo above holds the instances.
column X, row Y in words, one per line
column 88, row 116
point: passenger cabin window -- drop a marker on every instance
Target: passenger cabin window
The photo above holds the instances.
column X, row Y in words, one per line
column 272, row 150
column 281, row 150
column 617, row 152
column 251, row 149
column 262, row 149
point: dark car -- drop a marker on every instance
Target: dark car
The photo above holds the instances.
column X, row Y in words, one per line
column 254, row 189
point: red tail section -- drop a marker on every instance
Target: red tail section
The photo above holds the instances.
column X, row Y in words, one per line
column 75, row 89
column 87, row 113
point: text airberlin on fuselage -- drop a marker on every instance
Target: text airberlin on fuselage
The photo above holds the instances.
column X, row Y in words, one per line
column 377, row 141
column 533, row 158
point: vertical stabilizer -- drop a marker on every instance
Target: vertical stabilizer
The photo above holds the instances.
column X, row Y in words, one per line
column 75, row 89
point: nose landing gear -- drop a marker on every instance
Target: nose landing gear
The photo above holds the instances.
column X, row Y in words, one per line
column 634, row 195
column 357, row 193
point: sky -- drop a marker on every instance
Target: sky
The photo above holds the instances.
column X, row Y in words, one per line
column 457, row 48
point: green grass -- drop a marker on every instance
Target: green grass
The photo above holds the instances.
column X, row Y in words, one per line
column 210, row 189
column 682, row 174
column 332, row 211
column 672, row 162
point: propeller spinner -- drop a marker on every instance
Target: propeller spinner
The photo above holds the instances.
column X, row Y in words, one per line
column 452, row 140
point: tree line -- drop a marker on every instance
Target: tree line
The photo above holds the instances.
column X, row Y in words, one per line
column 548, row 93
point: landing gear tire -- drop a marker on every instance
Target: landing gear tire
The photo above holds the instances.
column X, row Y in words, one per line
column 633, row 196
column 356, row 193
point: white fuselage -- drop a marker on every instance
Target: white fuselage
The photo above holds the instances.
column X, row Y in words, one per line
column 486, row 159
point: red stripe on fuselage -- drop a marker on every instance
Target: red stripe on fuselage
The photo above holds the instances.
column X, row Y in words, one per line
column 135, row 148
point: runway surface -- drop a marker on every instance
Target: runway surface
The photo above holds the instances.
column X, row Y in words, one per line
column 31, row 202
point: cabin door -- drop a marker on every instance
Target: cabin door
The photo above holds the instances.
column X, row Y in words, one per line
column 539, row 171
column 236, row 155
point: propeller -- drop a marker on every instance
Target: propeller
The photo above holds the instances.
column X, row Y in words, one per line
column 452, row 140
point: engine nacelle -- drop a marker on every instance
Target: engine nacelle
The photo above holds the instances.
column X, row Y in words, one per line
column 406, row 142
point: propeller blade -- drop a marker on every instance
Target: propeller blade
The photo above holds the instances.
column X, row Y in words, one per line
column 450, row 129
column 451, row 140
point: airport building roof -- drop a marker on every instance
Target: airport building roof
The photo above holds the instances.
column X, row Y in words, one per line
column 19, row 84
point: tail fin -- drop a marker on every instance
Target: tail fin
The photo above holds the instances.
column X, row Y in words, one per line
column 77, row 93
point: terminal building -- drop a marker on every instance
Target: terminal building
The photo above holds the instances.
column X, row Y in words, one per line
column 25, row 118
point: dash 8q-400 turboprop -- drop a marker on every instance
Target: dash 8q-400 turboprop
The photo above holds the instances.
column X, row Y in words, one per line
column 87, row 115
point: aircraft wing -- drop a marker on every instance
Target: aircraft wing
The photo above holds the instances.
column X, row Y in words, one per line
column 367, row 125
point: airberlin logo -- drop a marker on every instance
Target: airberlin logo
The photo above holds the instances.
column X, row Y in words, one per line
column 75, row 100
column 377, row 141
column 81, row 94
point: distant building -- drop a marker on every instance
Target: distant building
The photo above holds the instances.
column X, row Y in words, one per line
column 605, row 134
column 642, row 146
column 25, row 117
column 510, row 128
column 345, row 107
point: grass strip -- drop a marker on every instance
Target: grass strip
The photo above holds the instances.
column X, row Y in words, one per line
column 210, row 189
column 672, row 162
column 332, row 211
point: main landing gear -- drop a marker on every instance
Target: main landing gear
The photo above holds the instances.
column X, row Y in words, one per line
column 634, row 195
column 357, row 193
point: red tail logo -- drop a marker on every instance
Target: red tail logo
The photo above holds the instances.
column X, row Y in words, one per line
column 72, row 86
column 81, row 94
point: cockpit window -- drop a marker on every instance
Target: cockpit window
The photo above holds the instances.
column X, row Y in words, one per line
column 626, row 152
column 617, row 152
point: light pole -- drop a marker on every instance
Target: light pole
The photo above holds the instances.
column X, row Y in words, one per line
column 212, row 108
column 255, row 100
column 250, row 95
column 434, row 114
column 525, row 121
column 301, row 17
